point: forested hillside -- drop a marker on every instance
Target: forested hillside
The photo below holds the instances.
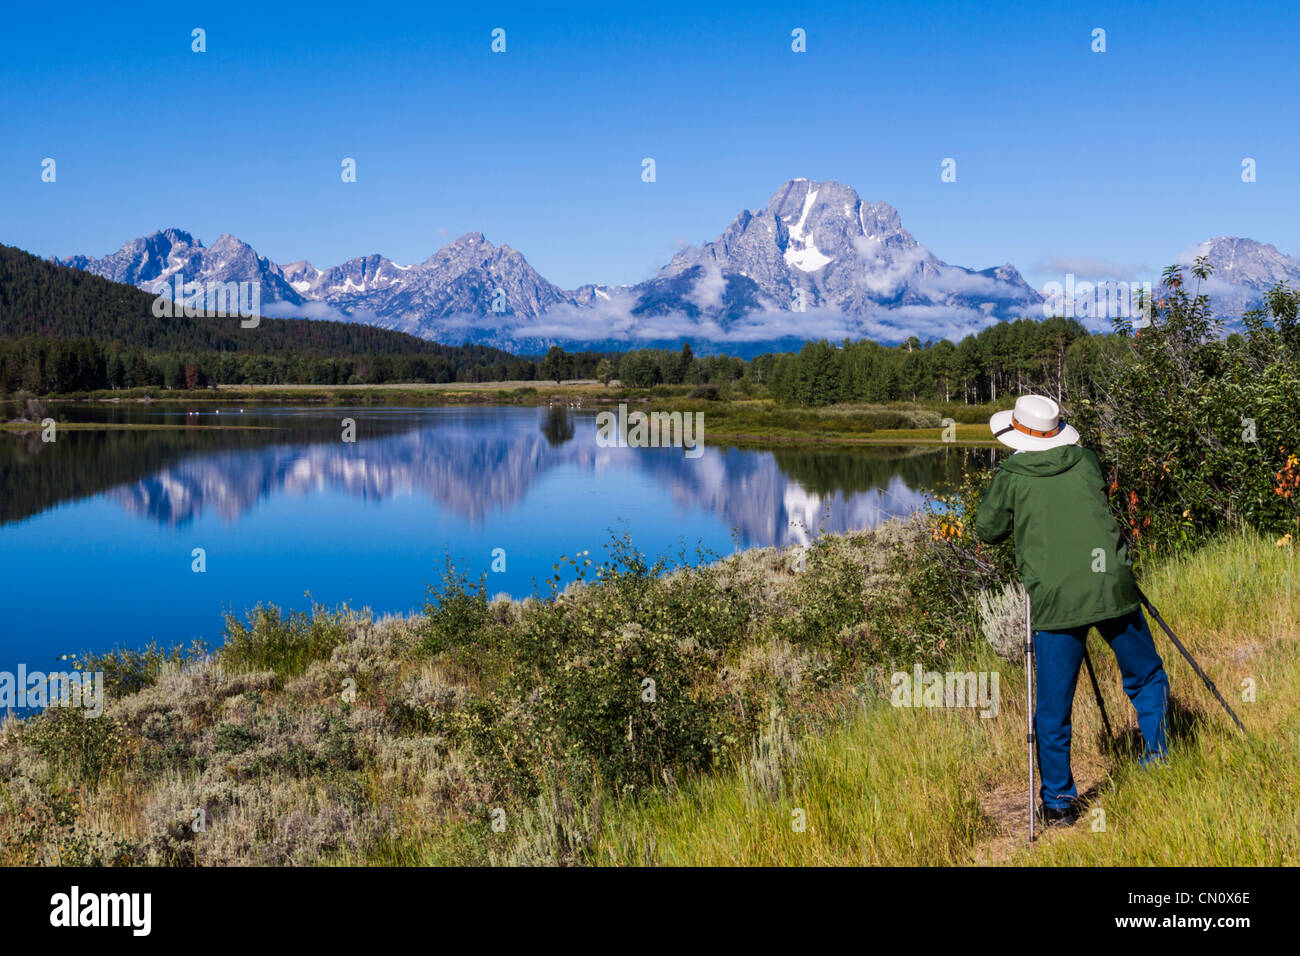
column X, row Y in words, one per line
column 1006, row 357
column 63, row 330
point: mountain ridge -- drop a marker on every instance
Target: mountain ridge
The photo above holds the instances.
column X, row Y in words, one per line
column 816, row 261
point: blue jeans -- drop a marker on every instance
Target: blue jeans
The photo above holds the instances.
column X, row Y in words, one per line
column 1057, row 659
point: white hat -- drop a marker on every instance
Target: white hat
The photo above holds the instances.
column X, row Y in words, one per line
column 1033, row 425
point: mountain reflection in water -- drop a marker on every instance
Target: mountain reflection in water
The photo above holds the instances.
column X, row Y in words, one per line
column 471, row 461
column 288, row 506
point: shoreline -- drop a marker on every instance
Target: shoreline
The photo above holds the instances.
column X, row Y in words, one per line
column 748, row 421
column 737, row 439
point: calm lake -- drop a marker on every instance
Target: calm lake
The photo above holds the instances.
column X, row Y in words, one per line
column 97, row 529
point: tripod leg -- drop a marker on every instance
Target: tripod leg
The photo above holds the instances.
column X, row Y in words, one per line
column 1191, row 660
column 1029, row 711
column 1096, row 689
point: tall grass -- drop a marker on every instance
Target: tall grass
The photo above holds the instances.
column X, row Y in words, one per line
column 1224, row 799
column 864, row 794
column 902, row 786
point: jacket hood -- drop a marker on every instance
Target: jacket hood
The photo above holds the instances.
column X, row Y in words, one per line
column 1041, row 464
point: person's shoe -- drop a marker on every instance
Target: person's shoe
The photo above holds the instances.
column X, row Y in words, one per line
column 1062, row 817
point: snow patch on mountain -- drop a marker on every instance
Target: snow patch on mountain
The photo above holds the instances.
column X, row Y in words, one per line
column 801, row 251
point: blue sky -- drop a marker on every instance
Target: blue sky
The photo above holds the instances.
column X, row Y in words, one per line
column 1130, row 156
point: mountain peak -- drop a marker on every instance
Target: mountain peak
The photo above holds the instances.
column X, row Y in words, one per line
column 174, row 236
column 1242, row 270
column 228, row 241
column 471, row 239
column 818, row 244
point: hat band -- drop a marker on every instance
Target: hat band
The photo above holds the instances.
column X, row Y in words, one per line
column 1035, row 432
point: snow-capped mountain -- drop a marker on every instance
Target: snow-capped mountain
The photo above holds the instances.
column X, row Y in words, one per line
column 816, row 248
column 470, row 277
column 152, row 262
column 816, row 261
column 1243, row 271
column 818, row 245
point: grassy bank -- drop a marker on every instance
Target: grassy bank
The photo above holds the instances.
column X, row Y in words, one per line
column 763, row 421
column 492, row 731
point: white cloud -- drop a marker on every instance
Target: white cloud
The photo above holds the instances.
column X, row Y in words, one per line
column 1092, row 267
column 888, row 270
column 321, row 311
column 708, row 289
column 614, row 321
column 951, row 280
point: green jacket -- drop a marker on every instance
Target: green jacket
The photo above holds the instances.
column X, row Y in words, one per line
column 1069, row 550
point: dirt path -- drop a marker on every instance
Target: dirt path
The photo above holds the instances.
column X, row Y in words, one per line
column 1008, row 807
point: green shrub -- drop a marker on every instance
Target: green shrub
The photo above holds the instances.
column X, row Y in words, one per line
column 1197, row 432
column 974, row 414
column 127, row 670
column 568, row 678
column 84, row 748
column 640, row 705
column 84, row 847
column 888, row 418
column 454, row 611
column 286, row 644
column 828, row 597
